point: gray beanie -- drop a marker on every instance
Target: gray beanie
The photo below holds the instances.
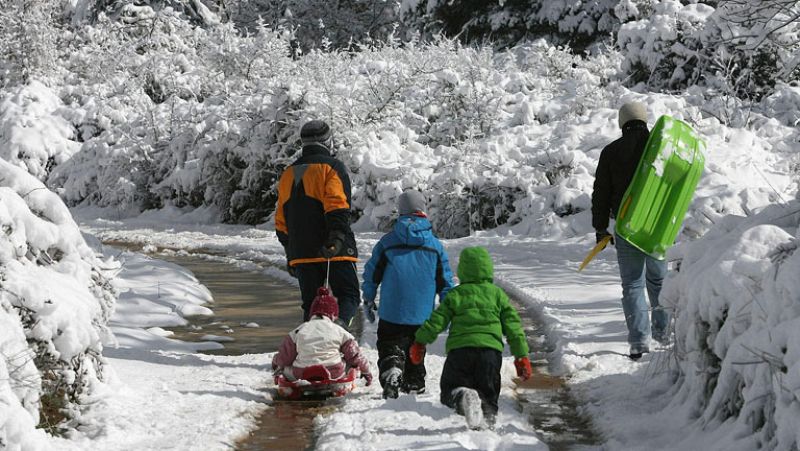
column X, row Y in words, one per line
column 632, row 111
column 315, row 131
column 410, row 202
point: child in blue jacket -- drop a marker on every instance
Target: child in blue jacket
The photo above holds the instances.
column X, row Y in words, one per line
column 411, row 266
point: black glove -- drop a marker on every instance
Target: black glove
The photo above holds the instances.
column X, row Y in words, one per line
column 369, row 309
column 368, row 377
column 331, row 247
column 291, row 270
column 599, row 235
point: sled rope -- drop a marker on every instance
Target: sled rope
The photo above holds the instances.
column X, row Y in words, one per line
column 328, row 275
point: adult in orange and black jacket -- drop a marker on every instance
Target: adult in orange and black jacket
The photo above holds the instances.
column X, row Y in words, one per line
column 312, row 220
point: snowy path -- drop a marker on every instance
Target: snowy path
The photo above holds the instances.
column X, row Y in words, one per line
column 582, row 313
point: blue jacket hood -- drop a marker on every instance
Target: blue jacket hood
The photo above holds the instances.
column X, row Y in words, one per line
column 412, row 230
column 411, row 267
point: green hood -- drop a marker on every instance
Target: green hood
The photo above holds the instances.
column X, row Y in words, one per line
column 477, row 313
column 475, row 265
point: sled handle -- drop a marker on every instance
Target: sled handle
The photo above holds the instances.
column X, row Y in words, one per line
column 595, row 250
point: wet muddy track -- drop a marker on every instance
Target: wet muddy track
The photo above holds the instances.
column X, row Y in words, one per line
column 247, row 297
column 244, row 299
column 547, row 400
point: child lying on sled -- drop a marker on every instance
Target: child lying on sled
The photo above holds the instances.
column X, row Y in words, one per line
column 320, row 342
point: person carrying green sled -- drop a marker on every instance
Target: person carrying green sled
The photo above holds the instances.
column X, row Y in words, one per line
column 615, row 171
column 479, row 315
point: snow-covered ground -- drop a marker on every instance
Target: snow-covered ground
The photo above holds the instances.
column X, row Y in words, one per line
column 582, row 313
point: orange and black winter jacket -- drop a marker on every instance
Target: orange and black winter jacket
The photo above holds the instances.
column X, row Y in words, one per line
column 313, row 207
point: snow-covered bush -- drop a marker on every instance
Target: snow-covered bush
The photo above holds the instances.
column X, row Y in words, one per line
column 579, row 23
column 737, row 304
column 33, row 134
column 784, row 104
column 448, row 120
column 19, row 384
column 661, row 49
column 192, row 128
column 590, row 19
column 27, row 40
column 80, row 12
column 314, row 24
column 740, row 47
column 215, row 119
column 54, row 295
column 191, row 116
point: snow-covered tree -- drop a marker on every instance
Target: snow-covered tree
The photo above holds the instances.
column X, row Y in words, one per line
column 741, row 47
column 131, row 11
column 27, row 40
column 33, row 133
column 578, row 23
column 319, row 23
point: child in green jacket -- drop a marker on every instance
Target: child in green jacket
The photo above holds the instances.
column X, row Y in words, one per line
column 479, row 315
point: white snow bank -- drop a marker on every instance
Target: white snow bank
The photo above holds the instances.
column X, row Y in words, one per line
column 17, row 423
column 160, row 394
column 155, row 294
column 56, row 301
column 737, row 305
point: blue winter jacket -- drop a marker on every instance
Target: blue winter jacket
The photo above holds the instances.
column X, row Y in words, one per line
column 411, row 266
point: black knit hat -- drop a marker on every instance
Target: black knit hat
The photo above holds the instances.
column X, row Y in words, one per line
column 315, row 131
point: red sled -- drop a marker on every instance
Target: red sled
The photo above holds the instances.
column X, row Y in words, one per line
column 316, row 383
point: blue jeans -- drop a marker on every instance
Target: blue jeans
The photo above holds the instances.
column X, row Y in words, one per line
column 637, row 269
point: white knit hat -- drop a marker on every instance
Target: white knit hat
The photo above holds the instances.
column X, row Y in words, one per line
column 632, row 111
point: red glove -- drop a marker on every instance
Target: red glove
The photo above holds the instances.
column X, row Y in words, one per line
column 417, row 353
column 523, row 365
column 368, row 378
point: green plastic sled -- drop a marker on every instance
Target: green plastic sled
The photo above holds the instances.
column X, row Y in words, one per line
column 656, row 201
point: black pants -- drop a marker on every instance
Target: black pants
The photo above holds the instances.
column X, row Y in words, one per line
column 476, row 368
column 394, row 340
column 343, row 282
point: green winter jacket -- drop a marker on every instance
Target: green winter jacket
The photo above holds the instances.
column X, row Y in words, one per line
column 478, row 312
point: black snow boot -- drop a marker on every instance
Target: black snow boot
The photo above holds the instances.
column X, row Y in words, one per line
column 391, row 381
